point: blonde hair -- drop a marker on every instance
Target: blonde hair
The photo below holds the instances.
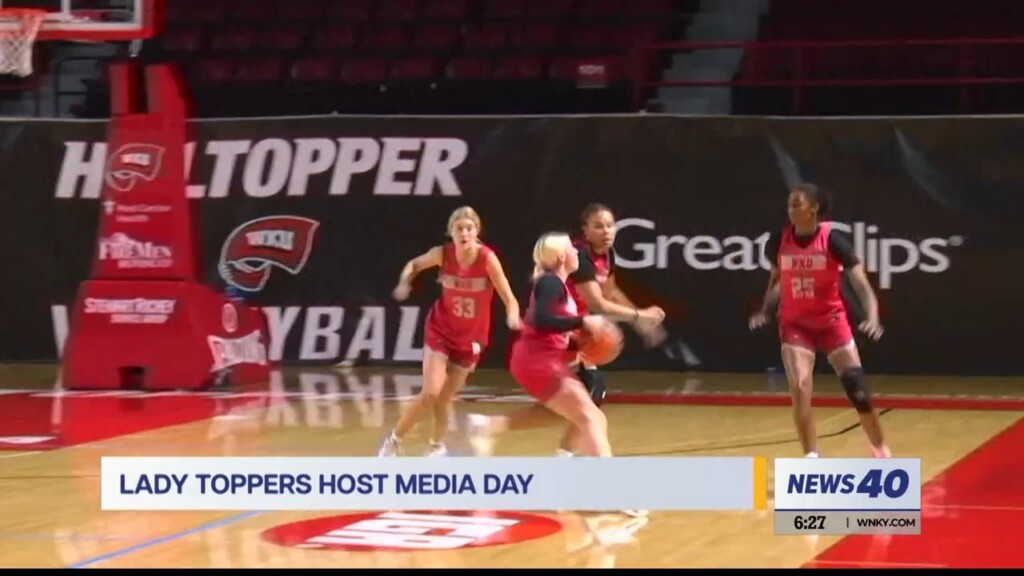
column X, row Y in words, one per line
column 547, row 250
column 467, row 213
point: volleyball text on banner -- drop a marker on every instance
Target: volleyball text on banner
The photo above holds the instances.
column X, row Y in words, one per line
column 166, row 483
column 848, row 496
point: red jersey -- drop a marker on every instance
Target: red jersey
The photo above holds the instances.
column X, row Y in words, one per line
column 593, row 268
column 558, row 303
column 463, row 312
column 809, row 279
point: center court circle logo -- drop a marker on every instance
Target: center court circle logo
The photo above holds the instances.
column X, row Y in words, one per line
column 407, row 531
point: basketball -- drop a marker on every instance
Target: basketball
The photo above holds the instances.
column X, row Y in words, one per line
column 602, row 347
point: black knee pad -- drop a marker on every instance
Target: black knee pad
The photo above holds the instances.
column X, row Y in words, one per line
column 594, row 381
column 856, row 390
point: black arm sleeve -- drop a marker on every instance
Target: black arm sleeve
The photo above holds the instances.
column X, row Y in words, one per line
column 771, row 249
column 587, row 272
column 548, row 293
column 842, row 249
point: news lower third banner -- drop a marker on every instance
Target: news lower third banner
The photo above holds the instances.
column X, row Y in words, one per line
column 370, row 483
column 847, row 496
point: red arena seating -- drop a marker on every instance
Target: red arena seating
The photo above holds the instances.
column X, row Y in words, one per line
column 342, row 54
column 868, row 57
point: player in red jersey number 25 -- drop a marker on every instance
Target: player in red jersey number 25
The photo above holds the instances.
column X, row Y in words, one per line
column 458, row 326
column 808, row 260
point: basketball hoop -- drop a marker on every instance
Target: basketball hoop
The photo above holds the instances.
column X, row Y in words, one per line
column 16, row 41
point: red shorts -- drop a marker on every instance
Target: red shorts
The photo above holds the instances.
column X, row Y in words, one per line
column 540, row 372
column 466, row 356
column 825, row 337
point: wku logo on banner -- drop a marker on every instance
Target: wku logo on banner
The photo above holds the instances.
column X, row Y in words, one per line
column 132, row 162
column 252, row 250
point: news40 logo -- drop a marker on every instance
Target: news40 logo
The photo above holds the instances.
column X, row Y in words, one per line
column 848, row 484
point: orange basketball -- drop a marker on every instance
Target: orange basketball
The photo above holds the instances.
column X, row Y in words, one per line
column 602, row 347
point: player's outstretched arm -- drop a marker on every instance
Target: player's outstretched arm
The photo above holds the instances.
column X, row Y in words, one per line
column 501, row 284
column 429, row 259
column 585, row 279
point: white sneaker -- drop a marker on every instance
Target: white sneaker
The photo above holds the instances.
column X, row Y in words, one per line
column 811, row 455
column 479, row 430
column 437, row 450
column 617, row 533
column 560, row 453
column 391, row 446
column 636, row 513
column 881, row 452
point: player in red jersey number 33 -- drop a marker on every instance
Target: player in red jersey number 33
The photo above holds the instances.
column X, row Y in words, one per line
column 458, row 326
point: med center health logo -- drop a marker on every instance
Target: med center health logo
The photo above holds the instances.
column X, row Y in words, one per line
column 252, row 251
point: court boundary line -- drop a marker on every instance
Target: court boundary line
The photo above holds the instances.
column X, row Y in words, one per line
column 731, row 443
column 164, row 539
column 755, row 399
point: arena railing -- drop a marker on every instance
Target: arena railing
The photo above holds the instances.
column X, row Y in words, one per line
column 801, row 74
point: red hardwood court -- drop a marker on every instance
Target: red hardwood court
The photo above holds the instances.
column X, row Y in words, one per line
column 53, row 441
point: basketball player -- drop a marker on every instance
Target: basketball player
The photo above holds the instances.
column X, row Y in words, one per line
column 808, row 259
column 539, row 361
column 457, row 328
column 593, row 288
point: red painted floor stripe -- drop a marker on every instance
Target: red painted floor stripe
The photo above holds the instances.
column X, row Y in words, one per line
column 971, row 517
column 761, row 399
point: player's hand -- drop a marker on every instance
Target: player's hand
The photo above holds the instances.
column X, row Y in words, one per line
column 758, row 320
column 652, row 314
column 650, row 334
column 593, row 323
column 513, row 321
column 401, row 291
column 873, row 328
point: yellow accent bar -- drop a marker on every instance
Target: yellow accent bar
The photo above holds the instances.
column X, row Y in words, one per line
column 760, row 483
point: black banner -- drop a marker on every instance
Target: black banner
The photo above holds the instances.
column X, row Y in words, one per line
column 931, row 204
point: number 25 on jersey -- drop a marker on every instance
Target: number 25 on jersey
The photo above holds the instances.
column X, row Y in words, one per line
column 802, row 288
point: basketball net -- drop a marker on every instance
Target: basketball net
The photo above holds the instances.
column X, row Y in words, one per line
column 17, row 41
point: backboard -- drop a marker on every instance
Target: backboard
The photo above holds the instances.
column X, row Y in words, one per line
column 89, row 20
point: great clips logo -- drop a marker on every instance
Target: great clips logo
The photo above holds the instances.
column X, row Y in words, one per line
column 252, row 251
column 639, row 245
column 131, row 163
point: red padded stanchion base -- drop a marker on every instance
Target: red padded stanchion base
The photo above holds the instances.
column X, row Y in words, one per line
column 162, row 335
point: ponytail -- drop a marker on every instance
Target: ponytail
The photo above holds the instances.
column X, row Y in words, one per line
column 538, row 271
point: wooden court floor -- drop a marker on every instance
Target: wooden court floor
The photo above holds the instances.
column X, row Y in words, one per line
column 52, row 443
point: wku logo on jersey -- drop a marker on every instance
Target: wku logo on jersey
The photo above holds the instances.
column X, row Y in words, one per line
column 131, row 163
column 252, row 250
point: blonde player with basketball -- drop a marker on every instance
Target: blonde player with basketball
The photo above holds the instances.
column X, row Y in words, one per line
column 540, row 356
column 458, row 326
